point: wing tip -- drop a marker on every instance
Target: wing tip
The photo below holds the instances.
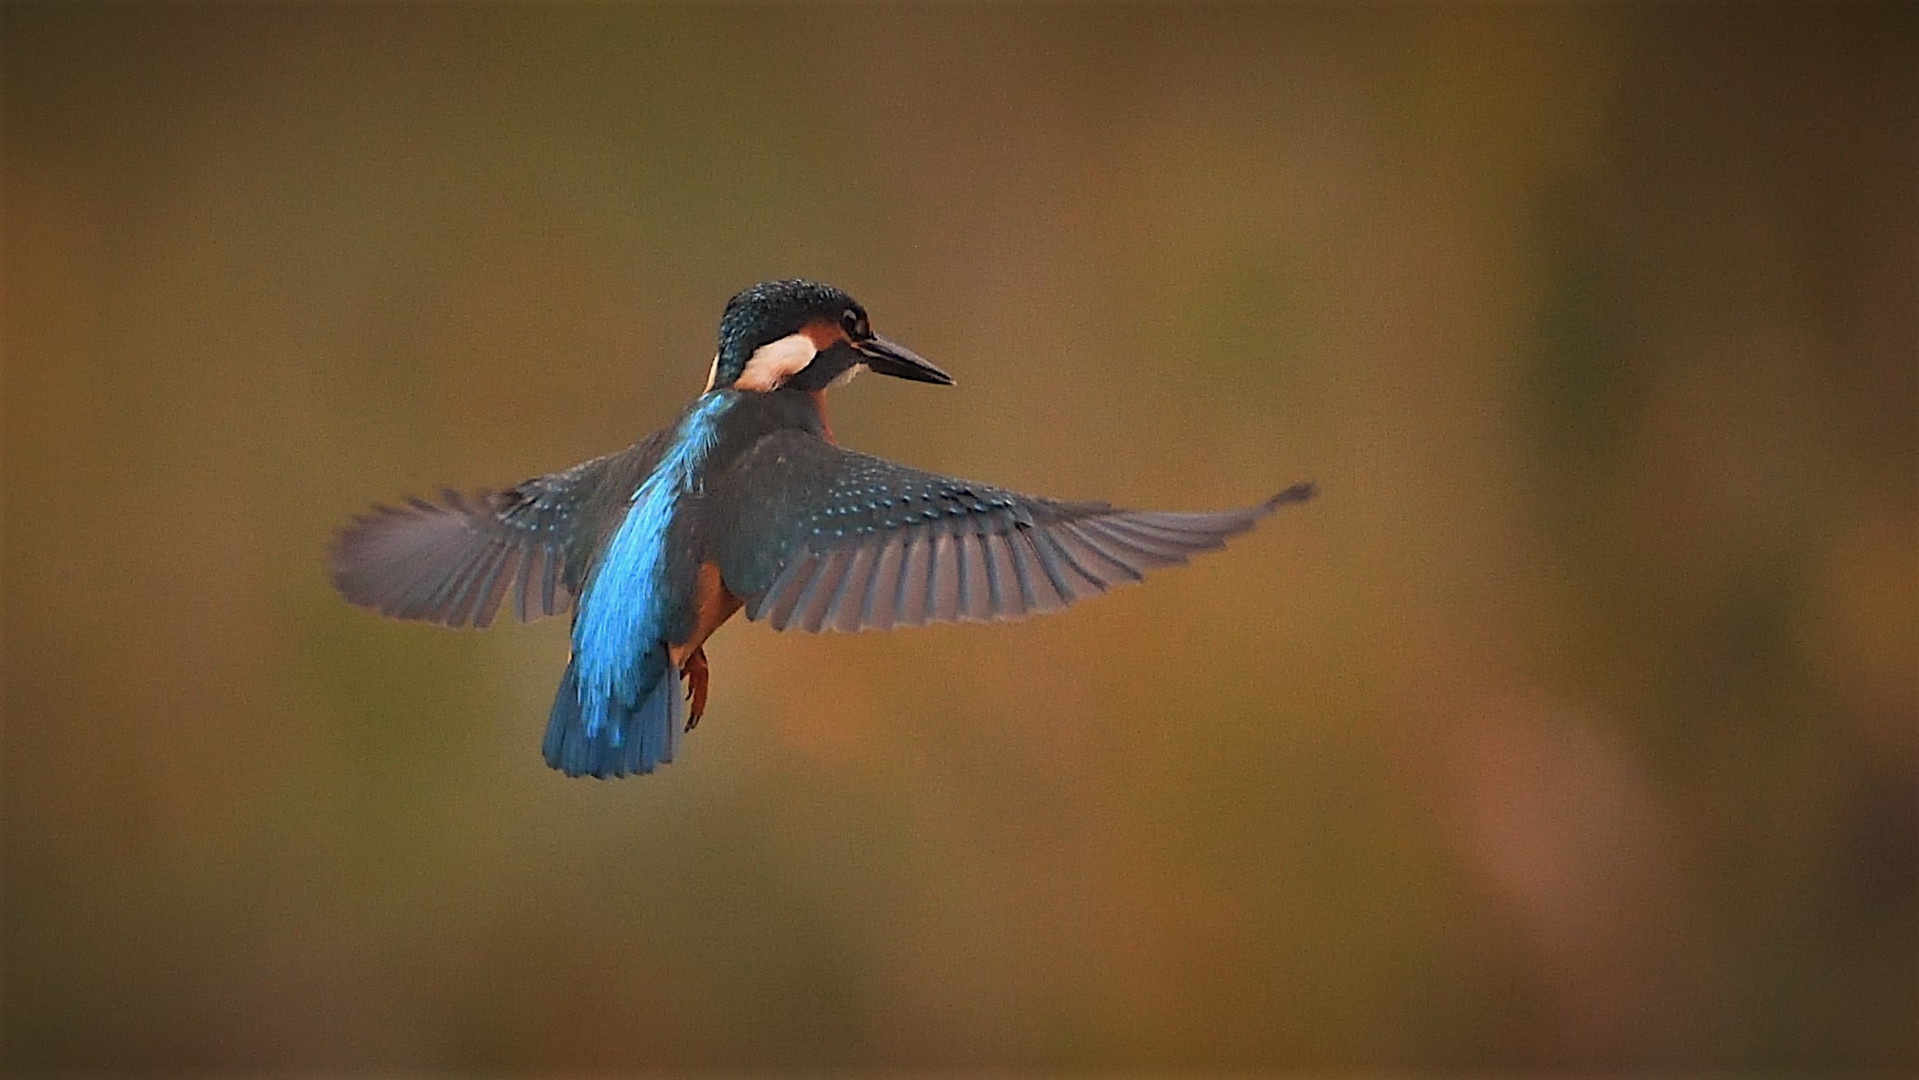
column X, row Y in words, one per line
column 1300, row 492
column 354, row 560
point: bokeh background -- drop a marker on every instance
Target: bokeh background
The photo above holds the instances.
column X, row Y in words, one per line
column 1573, row 726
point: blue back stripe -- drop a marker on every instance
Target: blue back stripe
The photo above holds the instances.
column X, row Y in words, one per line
column 621, row 612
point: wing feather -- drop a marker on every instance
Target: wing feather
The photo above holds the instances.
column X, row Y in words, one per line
column 1015, row 592
column 853, row 607
column 1157, row 550
column 825, row 538
column 810, row 615
column 915, row 584
column 456, row 560
column 491, row 588
column 786, row 592
column 1068, row 579
column 1100, row 556
column 530, row 568
column 882, row 598
column 947, row 578
column 449, row 601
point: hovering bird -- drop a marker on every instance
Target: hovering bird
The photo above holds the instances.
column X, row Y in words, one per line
column 746, row 501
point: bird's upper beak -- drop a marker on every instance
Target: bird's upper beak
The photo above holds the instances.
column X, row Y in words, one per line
column 890, row 358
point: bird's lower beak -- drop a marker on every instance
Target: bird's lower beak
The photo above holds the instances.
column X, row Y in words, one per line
column 889, row 358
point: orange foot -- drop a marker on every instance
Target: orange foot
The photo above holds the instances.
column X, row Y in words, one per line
column 696, row 674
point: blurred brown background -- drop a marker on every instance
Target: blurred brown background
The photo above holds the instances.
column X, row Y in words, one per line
column 1574, row 725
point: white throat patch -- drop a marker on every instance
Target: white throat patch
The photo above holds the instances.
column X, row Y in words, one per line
column 775, row 362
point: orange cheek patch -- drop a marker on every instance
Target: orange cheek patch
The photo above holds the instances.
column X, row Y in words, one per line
column 824, row 335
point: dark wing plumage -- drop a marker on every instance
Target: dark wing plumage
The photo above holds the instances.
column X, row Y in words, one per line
column 453, row 562
column 820, row 538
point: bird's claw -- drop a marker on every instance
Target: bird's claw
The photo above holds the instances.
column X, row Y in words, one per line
column 696, row 674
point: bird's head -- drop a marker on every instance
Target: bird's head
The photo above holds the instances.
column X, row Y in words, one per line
column 805, row 336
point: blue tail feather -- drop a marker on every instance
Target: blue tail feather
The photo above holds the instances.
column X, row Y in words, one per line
column 614, row 735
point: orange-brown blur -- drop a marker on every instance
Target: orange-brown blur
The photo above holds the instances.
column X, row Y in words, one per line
column 1573, row 725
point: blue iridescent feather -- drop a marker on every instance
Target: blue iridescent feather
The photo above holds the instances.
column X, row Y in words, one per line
column 618, row 708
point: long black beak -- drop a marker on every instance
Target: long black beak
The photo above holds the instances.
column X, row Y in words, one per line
column 890, row 358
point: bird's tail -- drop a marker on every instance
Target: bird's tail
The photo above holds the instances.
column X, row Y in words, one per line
column 611, row 734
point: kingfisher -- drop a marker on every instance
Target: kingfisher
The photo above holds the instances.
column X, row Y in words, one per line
column 746, row 501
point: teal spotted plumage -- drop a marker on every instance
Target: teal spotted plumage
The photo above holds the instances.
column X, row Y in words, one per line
column 744, row 501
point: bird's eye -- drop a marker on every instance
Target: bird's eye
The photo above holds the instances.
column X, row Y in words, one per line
column 854, row 321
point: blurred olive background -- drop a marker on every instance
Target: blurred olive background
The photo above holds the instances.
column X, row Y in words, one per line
column 1573, row 726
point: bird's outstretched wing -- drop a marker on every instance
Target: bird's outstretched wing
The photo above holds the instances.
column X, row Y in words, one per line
column 454, row 561
column 821, row 538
